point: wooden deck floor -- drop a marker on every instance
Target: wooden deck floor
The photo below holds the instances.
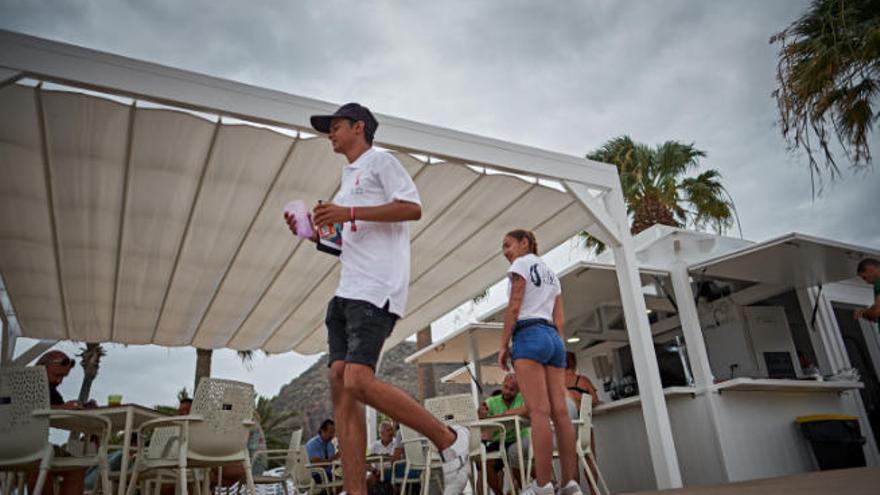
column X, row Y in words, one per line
column 858, row 481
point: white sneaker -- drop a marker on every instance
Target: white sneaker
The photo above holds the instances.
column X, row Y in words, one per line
column 456, row 462
column 571, row 488
column 534, row 489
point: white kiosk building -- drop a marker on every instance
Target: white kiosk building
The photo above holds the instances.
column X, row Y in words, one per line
column 747, row 337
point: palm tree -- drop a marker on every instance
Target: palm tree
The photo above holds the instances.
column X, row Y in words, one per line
column 90, row 359
column 829, row 80
column 274, row 423
column 658, row 190
column 203, row 365
column 205, row 356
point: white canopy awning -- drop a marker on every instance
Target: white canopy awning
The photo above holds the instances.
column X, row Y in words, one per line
column 126, row 221
column 795, row 260
column 455, row 347
column 489, row 375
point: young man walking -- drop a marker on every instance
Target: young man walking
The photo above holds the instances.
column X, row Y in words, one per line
column 374, row 203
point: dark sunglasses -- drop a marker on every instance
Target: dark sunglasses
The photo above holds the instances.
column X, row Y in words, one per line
column 66, row 362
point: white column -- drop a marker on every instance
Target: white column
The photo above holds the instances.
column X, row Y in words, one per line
column 474, row 365
column 690, row 325
column 830, row 351
column 7, row 352
column 663, row 456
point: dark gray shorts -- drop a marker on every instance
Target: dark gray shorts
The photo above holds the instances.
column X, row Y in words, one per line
column 356, row 330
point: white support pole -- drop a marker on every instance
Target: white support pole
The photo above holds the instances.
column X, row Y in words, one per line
column 824, row 332
column 474, row 365
column 604, row 228
column 370, row 415
column 34, row 352
column 660, row 442
column 7, row 346
column 690, row 326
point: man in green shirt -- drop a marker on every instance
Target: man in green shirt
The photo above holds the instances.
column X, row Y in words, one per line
column 869, row 271
column 509, row 402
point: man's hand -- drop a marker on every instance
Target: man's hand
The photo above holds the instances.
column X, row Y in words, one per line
column 291, row 224
column 329, row 213
column 864, row 314
column 504, row 358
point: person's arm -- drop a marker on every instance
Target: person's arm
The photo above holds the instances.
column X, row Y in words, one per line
column 395, row 211
column 559, row 316
column 591, row 389
column 871, row 313
column 517, row 291
column 516, row 411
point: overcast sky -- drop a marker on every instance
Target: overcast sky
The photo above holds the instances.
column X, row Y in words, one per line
column 563, row 75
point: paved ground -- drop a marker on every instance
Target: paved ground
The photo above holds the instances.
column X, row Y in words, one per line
column 859, row 481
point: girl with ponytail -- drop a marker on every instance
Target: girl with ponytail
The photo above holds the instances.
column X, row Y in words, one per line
column 532, row 339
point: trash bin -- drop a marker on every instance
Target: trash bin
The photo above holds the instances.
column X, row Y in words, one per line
column 836, row 440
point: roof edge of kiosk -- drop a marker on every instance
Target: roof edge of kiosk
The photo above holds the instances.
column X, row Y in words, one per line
column 832, row 261
column 32, row 57
column 790, row 237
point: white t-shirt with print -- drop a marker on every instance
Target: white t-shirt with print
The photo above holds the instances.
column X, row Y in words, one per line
column 377, row 448
column 542, row 287
column 375, row 258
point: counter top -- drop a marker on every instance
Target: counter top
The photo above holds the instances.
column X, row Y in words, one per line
column 636, row 400
column 776, row 385
column 739, row 385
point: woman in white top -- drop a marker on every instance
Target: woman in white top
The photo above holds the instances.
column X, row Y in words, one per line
column 533, row 323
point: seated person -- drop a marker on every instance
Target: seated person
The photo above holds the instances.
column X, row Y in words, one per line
column 320, row 448
column 509, row 402
column 114, row 464
column 577, row 386
column 387, row 447
column 58, row 366
column 185, row 406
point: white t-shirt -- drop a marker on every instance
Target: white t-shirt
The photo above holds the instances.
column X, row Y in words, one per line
column 542, row 287
column 375, row 259
column 377, row 448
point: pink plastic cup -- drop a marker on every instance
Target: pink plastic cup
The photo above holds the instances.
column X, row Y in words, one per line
column 298, row 210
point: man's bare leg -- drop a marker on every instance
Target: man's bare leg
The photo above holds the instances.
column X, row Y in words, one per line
column 362, row 384
column 350, row 423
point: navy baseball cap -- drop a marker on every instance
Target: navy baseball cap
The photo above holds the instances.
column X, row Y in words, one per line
column 353, row 111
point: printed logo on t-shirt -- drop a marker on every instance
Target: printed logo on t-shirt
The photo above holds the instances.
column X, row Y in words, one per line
column 539, row 273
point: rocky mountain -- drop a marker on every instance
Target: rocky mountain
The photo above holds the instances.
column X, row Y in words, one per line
column 309, row 393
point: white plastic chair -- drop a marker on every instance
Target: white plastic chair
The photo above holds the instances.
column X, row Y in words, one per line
column 24, row 429
column 290, row 463
column 213, row 434
column 584, row 444
column 461, row 409
column 417, row 456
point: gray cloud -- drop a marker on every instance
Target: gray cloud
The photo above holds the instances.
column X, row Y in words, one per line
column 564, row 76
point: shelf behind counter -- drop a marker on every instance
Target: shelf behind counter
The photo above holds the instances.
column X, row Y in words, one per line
column 741, row 385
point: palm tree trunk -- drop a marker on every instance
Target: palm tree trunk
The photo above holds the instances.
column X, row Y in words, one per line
column 203, row 365
column 91, row 362
column 426, row 371
column 649, row 211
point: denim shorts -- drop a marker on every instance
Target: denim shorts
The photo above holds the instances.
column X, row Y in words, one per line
column 356, row 330
column 539, row 342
